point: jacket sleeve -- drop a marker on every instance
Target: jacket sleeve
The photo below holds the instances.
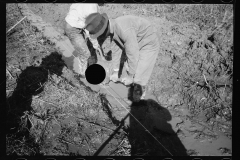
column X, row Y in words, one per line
column 93, row 41
column 116, row 55
column 131, row 49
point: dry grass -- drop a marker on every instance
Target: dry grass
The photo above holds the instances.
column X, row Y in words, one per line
column 65, row 117
column 62, row 119
column 195, row 64
column 61, row 116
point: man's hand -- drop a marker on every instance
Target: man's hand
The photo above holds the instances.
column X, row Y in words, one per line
column 106, row 81
column 99, row 51
column 127, row 80
column 114, row 77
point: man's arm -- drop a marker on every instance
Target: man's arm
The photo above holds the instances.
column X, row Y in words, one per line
column 131, row 49
column 116, row 55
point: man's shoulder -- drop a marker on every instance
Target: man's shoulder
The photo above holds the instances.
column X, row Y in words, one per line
column 129, row 17
column 124, row 22
column 128, row 20
column 126, row 17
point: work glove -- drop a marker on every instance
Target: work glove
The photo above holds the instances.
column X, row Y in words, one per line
column 127, row 80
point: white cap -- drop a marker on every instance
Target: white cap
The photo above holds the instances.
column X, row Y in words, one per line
column 78, row 12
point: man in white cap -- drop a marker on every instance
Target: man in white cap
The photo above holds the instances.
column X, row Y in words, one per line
column 79, row 37
column 133, row 34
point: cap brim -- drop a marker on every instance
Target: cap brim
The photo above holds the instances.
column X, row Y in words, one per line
column 95, row 36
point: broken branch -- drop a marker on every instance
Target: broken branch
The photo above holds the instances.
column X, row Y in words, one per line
column 9, row 73
column 205, row 79
column 16, row 24
column 95, row 124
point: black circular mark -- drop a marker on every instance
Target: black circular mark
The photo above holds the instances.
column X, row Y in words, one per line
column 95, row 74
column 167, row 1
column 139, row 1
column 226, row 1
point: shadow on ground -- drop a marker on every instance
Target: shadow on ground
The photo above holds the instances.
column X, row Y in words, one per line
column 30, row 83
column 153, row 136
column 148, row 132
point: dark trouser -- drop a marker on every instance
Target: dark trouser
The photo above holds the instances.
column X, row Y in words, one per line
column 81, row 45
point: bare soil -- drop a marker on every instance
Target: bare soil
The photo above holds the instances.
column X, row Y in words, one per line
column 188, row 107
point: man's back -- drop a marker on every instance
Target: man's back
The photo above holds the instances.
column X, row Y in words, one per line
column 143, row 29
column 129, row 21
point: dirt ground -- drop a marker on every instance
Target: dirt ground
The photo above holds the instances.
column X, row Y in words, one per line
column 188, row 106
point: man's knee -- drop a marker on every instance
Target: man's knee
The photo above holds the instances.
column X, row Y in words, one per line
column 72, row 32
column 75, row 37
column 66, row 28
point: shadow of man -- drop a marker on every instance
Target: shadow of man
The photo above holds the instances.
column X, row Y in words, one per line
column 30, row 83
column 150, row 134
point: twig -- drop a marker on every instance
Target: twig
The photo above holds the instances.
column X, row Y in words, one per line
column 46, row 101
column 112, row 152
column 12, row 66
column 88, row 146
column 205, row 79
column 95, row 124
column 27, row 36
column 16, row 24
column 63, row 140
column 211, row 107
column 225, row 16
column 211, row 9
column 224, row 90
column 9, row 73
column 218, row 26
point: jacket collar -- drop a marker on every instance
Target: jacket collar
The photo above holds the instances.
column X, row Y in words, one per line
column 111, row 23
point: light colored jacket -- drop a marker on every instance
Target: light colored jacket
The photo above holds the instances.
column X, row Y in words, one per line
column 77, row 15
column 133, row 34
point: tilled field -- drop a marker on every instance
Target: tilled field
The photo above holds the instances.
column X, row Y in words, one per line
column 188, row 109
